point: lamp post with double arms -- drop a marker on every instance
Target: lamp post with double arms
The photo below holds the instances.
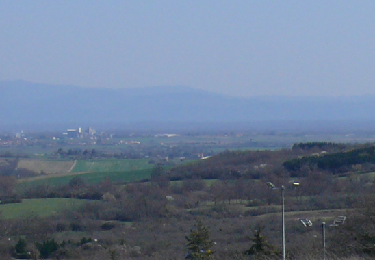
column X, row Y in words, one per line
column 282, row 188
column 283, row 217
column 324, row 239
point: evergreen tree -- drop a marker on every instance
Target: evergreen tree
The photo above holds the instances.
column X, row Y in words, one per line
column 20, row 248
column 199, row 242
column 260, row 244
column 47, row 248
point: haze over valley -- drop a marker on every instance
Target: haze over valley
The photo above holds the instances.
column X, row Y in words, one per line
column 42, row 106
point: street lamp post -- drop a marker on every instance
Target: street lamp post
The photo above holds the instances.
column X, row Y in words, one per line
column 282, row 188
column 324, row 239
column 283, row 218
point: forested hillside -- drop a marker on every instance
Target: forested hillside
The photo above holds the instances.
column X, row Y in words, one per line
column 231, row 200
column 298, row 162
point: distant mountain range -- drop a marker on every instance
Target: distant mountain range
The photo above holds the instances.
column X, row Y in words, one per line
column 25, row 103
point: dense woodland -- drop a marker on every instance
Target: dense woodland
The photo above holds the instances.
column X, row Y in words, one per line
column 223, row 201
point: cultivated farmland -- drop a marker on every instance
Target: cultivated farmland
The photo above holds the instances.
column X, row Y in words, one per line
column 45, row 166
column 91, row 171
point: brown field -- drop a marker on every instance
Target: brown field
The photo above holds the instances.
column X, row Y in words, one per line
column 47, row 167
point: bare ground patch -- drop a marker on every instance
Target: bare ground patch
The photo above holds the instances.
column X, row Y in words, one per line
column 45, row 167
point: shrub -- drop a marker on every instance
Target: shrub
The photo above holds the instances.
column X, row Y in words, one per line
column 61, row 227
column 11, row 200
column 76, row 226
column 20, row 248
column 47, row 248
column 85, row 240
column 108, row 226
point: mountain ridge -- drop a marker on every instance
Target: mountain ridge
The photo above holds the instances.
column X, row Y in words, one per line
column 23, row 102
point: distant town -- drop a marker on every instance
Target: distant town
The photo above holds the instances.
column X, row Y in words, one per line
column 76, row 136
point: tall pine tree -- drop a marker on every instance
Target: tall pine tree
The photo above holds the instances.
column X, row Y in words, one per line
column 199, row 242
column 260, row 245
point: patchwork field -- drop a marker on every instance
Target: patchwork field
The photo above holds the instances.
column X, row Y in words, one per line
column 38, row 207
column 86, row 166
column 91, row 171
column 45, row 166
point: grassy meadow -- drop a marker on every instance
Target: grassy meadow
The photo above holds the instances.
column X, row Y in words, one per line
column 111, row 165
column 38, row 207
column 94, row 177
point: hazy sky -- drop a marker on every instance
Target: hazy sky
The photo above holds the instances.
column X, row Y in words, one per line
column 242, row 48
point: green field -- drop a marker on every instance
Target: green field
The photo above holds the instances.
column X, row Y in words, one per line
column 94, row 177
column 38, row 207
column 95, row 171
column 111, row 165
column 207, row 182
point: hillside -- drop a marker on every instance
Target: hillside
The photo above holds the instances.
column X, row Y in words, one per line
column 302, row 159
column 244, row 195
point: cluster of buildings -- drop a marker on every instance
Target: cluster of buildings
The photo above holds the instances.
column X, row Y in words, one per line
column 78, row 133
